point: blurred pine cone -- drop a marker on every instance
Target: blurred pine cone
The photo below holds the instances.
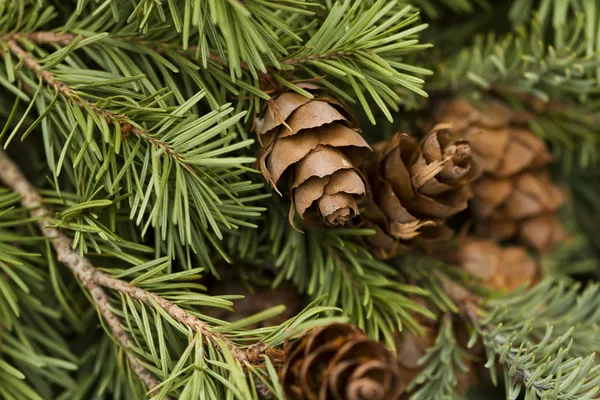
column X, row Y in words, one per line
column 515, row 196
column 499, row 268
column 414, row 188
column 339, row 362
column 313, row 142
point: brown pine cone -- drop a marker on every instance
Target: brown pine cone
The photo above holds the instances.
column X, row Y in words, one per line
column 339, row 362
column 499, row 268
column 414, row 188
column 515, row 196
column 314, row 144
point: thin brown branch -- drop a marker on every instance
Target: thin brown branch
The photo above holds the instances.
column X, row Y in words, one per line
column 178, row 313
column 91, row 277
column 126, row 127
column 80, row 266
column 42, row 37
column 49, row 37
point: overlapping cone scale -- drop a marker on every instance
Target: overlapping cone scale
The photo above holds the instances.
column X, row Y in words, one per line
column 414, row 187
column 499, row 268
column 312, row 143
column 339, row 362
column 514, row 198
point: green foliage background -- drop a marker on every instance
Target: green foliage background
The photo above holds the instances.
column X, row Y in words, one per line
column 142, row 146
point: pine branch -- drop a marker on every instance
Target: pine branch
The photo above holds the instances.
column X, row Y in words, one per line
column 80, row 266
column 126, row 126
column 537, row 336
column 441, row 365
column 161, row 47
column 527, row 60
column 185, row 145
column 359, row 52
column 92, row 278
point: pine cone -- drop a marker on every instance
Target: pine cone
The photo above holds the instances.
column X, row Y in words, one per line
column 414, row 188
column 515, row 197
column 339, row 362
column 313, row 143
column 499, row 268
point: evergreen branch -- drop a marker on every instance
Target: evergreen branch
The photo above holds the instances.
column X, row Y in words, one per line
column 92, row 278
column 525, row 61
column 80, row 266
column 181, row 146
column 126, row 126
column 161, row 47
column 440, row 365
column 537, row 337
column 179, row 314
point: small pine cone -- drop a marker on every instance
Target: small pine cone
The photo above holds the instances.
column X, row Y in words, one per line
column 314, row 144
column 339, row 362
column 414, row 188
column 499, row 268
column 515, row 196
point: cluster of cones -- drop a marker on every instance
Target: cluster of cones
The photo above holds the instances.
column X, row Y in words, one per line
column 481, row 162
column 480, row 159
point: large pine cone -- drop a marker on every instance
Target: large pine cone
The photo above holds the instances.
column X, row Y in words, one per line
column 313, row 143
column 515, row 197
column 339, row 362
column 414, row 188
column 499, row 268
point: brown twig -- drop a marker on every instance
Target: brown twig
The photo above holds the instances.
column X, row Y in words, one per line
column 49, row 37
column 80, row 266
column 178, row 313
column 91, row 277
column 126, row 127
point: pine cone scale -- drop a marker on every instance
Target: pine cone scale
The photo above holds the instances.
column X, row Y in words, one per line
column 313, row 114
column 396, row 173
column 289, row 150
column 281, row 108
column 499, row 268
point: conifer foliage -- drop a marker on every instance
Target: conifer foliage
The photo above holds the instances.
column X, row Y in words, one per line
column 405, row 192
